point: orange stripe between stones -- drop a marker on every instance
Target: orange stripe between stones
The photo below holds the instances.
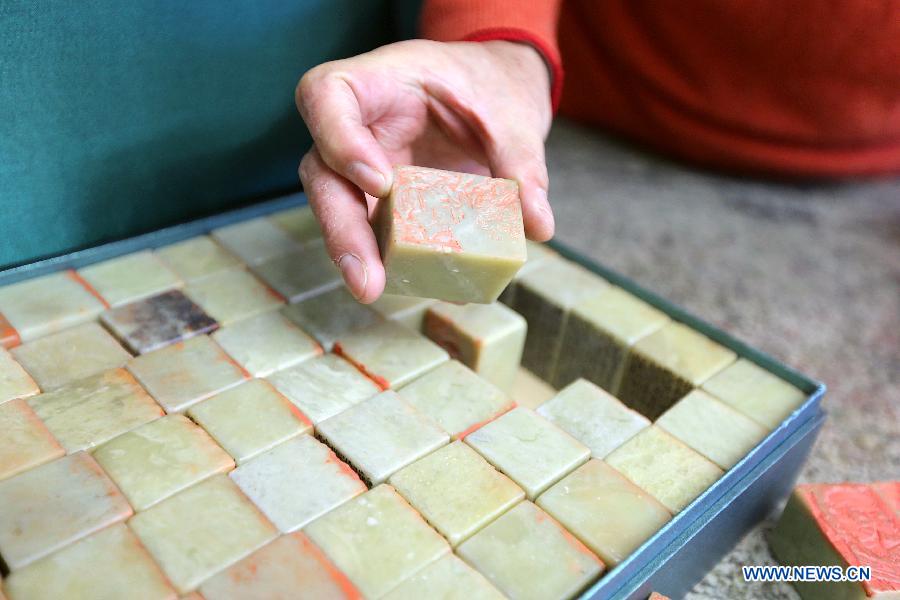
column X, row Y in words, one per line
column 74, row 276
column 336, row 574
column 9, row 337
column 472, row 428
column 381, row 382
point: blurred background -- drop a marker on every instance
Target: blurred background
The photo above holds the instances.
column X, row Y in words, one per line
column 122, row 116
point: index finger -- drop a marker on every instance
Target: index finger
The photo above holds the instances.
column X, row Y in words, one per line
column 341, row 210
column 329, row 106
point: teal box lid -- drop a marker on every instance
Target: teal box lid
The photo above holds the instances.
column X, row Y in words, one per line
column 119, row 117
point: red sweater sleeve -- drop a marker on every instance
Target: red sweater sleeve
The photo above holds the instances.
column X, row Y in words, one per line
column 530, row 21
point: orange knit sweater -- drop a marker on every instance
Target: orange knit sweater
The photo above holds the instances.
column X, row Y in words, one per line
column 802, row 88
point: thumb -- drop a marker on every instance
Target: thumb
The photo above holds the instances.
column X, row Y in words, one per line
column 520, row 156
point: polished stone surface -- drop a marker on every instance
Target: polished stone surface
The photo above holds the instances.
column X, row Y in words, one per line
column 665, row 467
column 85, row 413
column 408, row 310
column 447, row 577
column 390, row 354
column 26, row 442
column 537, row 253
column 185, row 373
column 528, row 555
column 291, row 567
column 160, row 459
column 667, row 364
column 331, row 315
column 456, row 398
column 324, row 386
column 56, row 504
column 197, row 257
column 298, row 482
column 250, row 419
column 70, row 355
column 300, row 275
column 599, row 332
column 712, row 428
column 14, row 380
column 544, row 296
column 152, row 323
column 266, row 343
column 377, row 540
column 755, row 392
column 488, row 338
column 606, row 511
column 131, row 277
column 381, row 435
column 448, row 235
column 256, row 240
column 300, row 223
column 456, row 490
column 47, row 304
column 201, row 531
column 231, row 295
column 534, row 452
column 593, row 417
column 111, row 563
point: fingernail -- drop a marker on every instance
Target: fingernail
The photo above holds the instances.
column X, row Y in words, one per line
column 369, row 178
column 355, row 274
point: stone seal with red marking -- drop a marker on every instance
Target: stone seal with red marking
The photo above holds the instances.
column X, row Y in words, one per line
column 845, row 524
column 451, row 236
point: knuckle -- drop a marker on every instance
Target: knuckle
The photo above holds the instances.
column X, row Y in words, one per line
column 533, row 163
column 541, row 178
column 306, row 169
column 309, row 83
column 527, row 162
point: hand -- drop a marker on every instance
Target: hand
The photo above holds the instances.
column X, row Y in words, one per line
column 479, row 107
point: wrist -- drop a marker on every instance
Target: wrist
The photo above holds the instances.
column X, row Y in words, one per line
column 529, row 55
column 525, row 56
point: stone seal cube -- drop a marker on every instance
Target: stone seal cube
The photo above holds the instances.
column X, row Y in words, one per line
column 26, row 442
column 606, row 511
column 599, row 331
column 527, row 555
column 378, row 540
column 755, row 392
column 712, row 428
column 593, row 417
column 447, row 577
column 290, row 567
column 487, row 338
column 545, row 296
column 664, row 467
column 451, row 236
column 843, row 525
column 111, row 563
column 664, row 366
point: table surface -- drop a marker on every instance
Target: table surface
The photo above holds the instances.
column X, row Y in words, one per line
column 808, row 272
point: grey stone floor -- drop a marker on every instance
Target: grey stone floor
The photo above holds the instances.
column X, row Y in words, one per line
column 809, row 273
